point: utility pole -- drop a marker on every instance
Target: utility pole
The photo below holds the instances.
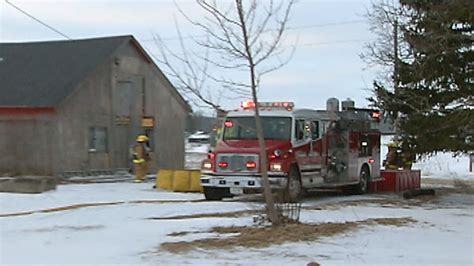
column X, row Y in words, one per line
column 395, row 55
column 395, row 75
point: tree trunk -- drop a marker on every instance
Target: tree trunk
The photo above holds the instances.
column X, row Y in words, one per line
column 267, row 192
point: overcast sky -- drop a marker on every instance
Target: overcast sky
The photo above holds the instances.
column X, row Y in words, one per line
column 330, row 36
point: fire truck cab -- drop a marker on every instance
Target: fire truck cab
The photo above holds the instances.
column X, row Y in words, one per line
column 306, row 149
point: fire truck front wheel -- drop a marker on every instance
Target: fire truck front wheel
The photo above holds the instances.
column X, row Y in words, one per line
column 294, row 191
column 216, row 193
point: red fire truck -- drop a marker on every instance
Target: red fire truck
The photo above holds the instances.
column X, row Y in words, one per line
column 306, row 149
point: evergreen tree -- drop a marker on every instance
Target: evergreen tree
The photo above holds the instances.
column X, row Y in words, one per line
column 433, row 99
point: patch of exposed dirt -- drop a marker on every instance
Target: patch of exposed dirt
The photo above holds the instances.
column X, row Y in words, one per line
column 384, row 203
column 455, row 185
column 425, row 201
column 86, row 205
column 175, row 234
column 163, row 201
column 459, row 189
column 261, row 237
column 62, row 208
column 209, row 215
column 78, row 206
column 464, row 186
column 71, row 228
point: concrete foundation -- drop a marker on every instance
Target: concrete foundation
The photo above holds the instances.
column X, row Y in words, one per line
column 28, row 184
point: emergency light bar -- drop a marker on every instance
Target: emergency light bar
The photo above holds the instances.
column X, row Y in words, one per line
column 376, row 115
column 247, row 105
column 269, row 105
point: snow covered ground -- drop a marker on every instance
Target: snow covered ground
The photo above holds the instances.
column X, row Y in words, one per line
column 446, row 166
column 127, row 223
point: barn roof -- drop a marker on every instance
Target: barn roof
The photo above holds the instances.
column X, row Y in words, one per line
column 42, row 74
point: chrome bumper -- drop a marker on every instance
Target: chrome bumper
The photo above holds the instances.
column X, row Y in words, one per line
column 251, row 182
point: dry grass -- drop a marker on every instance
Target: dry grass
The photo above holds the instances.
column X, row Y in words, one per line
column 351, row 203
column 208, row 215
column 258, row 237
column 383, row 203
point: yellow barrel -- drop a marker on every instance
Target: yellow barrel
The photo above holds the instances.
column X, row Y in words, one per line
column 181, row 181
column 195, row 182
column 164, row 179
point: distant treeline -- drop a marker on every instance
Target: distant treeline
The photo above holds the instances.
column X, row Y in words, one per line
column 199, row 122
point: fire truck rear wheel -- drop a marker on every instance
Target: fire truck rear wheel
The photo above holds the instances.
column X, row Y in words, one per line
column 294, row 191
column 363, row 186
column 216, row 193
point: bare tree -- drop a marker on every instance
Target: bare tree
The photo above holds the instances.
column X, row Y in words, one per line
column 386, row 18
column 245, row 37
column 192, row 77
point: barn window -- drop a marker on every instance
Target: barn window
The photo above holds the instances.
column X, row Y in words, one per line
column 98, row 139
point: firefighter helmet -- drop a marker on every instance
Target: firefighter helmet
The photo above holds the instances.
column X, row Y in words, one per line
column 142, row 138
column 392, row 145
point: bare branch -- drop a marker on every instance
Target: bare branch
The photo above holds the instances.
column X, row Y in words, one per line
column 189, row 79
column 277, row 39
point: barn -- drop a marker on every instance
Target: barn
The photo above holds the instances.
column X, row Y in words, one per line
column 78, row 106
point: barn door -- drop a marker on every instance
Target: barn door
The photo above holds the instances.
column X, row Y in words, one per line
column 122, row 135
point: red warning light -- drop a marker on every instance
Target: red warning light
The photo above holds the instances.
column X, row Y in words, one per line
column 223, row 164
column 376, row 115
column 247, row 105
column 251, row 165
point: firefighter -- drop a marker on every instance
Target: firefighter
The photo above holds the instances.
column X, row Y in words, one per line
column 141, row 158
column 391, row 161
column 407, row 157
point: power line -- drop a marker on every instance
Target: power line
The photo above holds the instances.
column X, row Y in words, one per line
column 331, row 42
column 309, row 44
column 331, row 24
column 339, row 23
column 324, row 42
column 37, row 20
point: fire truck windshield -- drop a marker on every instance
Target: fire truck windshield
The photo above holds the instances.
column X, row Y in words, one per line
column 274, row 128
